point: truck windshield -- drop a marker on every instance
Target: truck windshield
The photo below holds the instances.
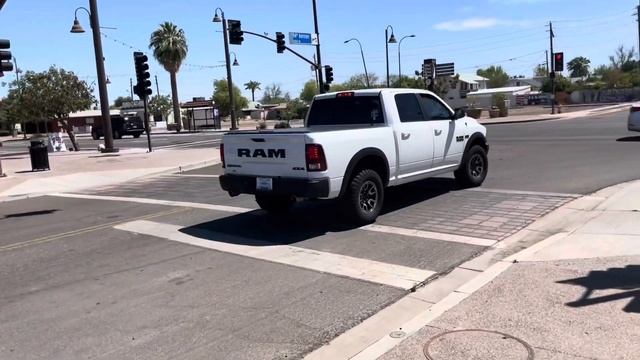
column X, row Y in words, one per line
column 346, row 110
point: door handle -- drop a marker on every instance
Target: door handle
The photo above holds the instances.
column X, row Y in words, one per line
column 405, row 136
column 438, row 132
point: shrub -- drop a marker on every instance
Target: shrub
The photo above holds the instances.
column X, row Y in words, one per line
column 282, row 125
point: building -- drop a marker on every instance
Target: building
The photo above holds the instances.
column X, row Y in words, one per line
column 535, row 82
column 484, row 98
column 457, row 95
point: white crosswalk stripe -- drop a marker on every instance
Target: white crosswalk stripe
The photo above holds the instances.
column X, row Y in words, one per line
column 355, row 268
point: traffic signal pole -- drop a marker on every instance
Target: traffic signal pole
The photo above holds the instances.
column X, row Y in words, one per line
column 552, row 74
column 319, row 64
column 227, row 58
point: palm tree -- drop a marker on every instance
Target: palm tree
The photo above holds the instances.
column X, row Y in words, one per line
column 579, row 67
column 170, row 48
column 253, row 86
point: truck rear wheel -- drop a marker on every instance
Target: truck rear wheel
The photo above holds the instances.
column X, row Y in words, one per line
column 275, row 204
column 474, row 167
column 362, row 202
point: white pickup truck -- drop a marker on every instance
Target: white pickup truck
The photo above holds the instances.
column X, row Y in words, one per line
column 353, row 146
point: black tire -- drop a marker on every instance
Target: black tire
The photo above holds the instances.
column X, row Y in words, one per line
column 275, row 204
column 362, row 202
column 473, row 168
column 136, row 135
column 95, row 136
column 116, row 134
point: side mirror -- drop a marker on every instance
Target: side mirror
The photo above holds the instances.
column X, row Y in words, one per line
column 459, row 114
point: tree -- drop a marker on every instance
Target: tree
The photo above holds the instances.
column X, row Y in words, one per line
column 117, row 103
column 496, row 75
column 221, row 97
column 540, row 71
column 623, row 59
column 170, row 48
column 359, row 81
column 252, row 86
column 53, row 95
column 562, row 83
column 579, row 66
column 309, row 90
column 273, row 95
column 160, row 105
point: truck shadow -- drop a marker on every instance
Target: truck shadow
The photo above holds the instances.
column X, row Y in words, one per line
column 308, row 220
column 626, row 279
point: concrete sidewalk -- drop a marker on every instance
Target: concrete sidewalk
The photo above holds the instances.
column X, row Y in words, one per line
column 574, row 295
column 72, row 171
column 565, row 287
column 544, row 117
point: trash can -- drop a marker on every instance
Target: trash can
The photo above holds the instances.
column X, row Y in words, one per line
column 39, row 155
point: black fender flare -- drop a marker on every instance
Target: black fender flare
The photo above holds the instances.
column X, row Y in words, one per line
column 356, row 159
column 476, row 137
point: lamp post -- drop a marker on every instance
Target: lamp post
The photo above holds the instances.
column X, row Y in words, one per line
column 22, row 123
column 366, row 74
column 399, row 65
column 388, row 40
column 102, row 78
column 221, row 18
column 235, row 60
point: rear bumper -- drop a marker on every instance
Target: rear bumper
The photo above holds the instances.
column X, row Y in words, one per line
column 303, row 188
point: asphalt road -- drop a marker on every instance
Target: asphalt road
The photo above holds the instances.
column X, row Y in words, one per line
column 170, row 140
column 128, row 272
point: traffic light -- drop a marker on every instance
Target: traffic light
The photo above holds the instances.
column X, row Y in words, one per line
column 280, row 42
column 5, row 57
column 235, row 32
column 558, row 61
column 328, row 74
column 143, row 87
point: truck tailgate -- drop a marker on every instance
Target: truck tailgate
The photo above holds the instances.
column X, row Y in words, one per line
column 265, row 154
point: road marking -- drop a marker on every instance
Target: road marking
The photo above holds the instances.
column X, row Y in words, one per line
column 196, row 175
column 89, row 229
column 231, row 209
column 362, row 269
column 519, row 192
column 429, row 235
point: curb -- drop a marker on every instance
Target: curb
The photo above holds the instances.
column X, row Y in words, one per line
column 520, row 121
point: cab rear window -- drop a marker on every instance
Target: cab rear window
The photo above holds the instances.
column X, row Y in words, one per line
column 346, row 110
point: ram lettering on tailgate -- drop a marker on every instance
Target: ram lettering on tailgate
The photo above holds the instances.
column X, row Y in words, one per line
column 262, row 153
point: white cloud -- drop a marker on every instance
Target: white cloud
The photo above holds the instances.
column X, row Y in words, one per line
column 479, row 23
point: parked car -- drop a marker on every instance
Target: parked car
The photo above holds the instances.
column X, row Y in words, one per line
column 120, row 126
column 353, row 146
column 633, row 123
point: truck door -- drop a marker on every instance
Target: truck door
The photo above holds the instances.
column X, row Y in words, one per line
column 414, row 137
column 448, row 134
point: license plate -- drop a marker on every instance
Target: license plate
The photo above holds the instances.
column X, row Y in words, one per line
column 264, row 184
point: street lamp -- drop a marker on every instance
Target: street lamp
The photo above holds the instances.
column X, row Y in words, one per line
column 388, row 40
column 399, row 66
column 366, row 74
column 235, row 59
column 220, row 18
column 102, row 78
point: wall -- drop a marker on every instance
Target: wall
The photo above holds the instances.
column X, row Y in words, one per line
column 605, row 95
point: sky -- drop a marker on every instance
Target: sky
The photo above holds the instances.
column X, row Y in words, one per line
column 470, row 33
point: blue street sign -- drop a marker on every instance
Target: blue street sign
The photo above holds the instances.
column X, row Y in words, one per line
column 296, row 38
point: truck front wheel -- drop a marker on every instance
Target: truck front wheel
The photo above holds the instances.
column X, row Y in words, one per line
column 275, row 204
column 474, row 167
column 362, row 202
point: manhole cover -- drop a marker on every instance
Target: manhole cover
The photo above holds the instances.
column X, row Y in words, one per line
column 477, row 344
column 397, row 334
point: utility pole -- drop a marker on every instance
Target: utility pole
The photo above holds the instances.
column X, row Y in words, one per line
column 546, row 59
column 319, row 63
column 157, row 87
column 131, row 88
column 316, row 71
column 552, row 74
column 638, row 14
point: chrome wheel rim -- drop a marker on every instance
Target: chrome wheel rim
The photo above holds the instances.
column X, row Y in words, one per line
column 368, row 197
column 476, row 165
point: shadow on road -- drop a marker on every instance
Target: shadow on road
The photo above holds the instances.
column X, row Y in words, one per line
column 309, row 219
column 627, row 278
column 629, row 139
column 30, row 213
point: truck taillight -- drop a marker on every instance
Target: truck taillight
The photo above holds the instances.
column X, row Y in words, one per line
column 316, row 161
column 222, row 154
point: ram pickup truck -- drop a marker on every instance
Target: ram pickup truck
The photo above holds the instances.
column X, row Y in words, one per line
column 354, row 145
